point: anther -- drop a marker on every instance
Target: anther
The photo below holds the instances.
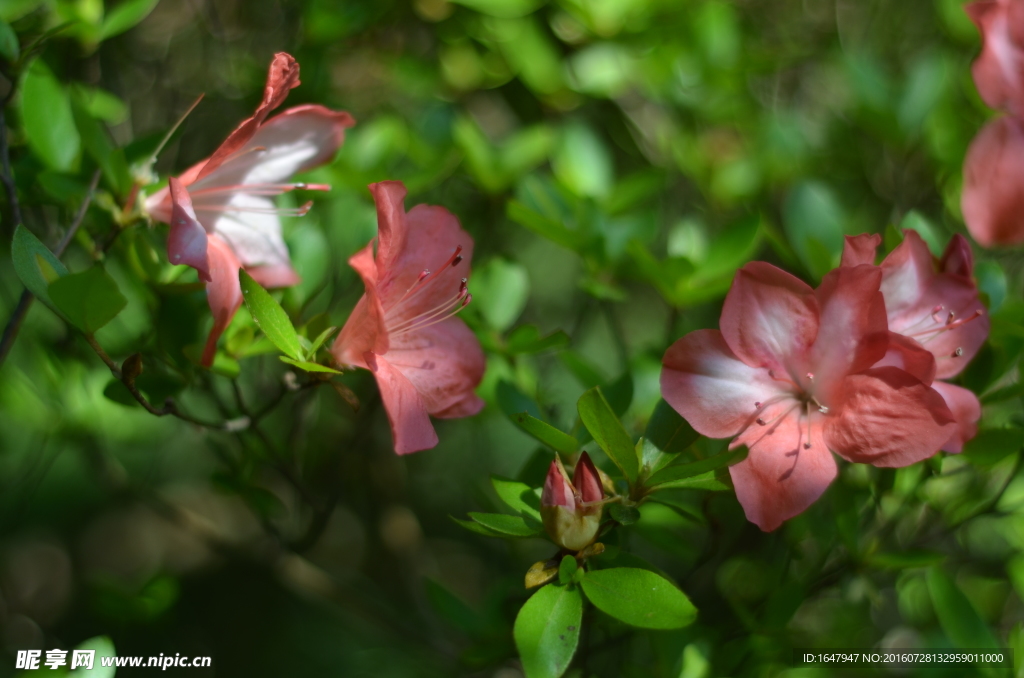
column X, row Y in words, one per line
column 958, row 352
column 823, row 409
column 810, row 375
column 949, row 319
column 761, row 422
column 456, row 260
column 757, row 405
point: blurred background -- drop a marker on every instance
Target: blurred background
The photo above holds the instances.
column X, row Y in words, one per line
column 616, row 161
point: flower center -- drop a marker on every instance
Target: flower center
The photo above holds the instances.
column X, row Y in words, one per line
column 395, row 320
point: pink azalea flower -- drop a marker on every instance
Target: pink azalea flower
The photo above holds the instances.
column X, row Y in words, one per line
column 228, row 196
column 935, row 303
column 999, row 69
column 993, row 194
column 426, row 362
column 795, row 375
column 572, row 511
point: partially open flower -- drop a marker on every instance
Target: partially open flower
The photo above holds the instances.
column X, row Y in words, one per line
column 993, row 195
column 229, row 196
column 572, row 511
column 999, row 69
column 426, row 361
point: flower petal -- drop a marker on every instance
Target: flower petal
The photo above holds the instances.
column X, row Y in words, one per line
column 860, row 249
column 770, row 317
column 888, row 418
column 908, row 355
column 389, row 197
column 410, row 424
column 282, row 77
column 993, row 194
column 781, row 477
column 999, row 69
column 250, row 224
column 364, row 330
column 704, row 381
column 275, row 275
column 958, row 258
column 965, row 408
column 187, row 241
column 587, row 480
column 940, row 310
column 223, row 293
column 853, row 333
column 294, row 141
column 444, row 362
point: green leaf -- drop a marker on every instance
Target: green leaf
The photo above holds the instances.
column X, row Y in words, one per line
column 546, row 433
column 670, row 476
column 512, row 401
column 715, row 481
column 101, row 104
column 667, row 434
column 518, row 496
column 9, row 47
column 98, row 144
column 993, row 445
column 308, row 366
column 547, row 227
column 639, row 597
column 813, row 220
column 906, row 559
column 566, row 569
column 477, row 528
column 451, row 608
column 270, row 317
column 513, row 526
column 319, row 341
column 501, row 288
column 35, row 265
column 47, row 119
column 957, row 616
column 502, row 9
column 89, row 300
column 124, row 16
column 547, row 630
column 625, row 515
column 103, row 647
column 608, row 432
column 582, row 162
column 527, row 339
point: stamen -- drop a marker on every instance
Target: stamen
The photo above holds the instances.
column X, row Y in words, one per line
column 958, row 352
column 258, row 189
column 438, row 313
column 951, row 324
column 807, row 411
column 281, row 211
column 425, row 278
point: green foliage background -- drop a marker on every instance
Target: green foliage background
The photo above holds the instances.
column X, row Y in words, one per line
column 616, row 161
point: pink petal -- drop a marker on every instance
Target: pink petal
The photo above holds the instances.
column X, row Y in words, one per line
column 587, row 480
column 888, row 418
column 444, row 362
column 853, row 332
column 389, row 196
column 958, row 258
column 770, row 318
column 274, row 276
column 249, row 223
column 908, row 355
column 860, row 249
column 993, row 194
column 780, row 476
column 704, row 381
column 557, row 490
column 223, row 293
column 187, row 241
column 999, row 69
column 282, row 77
column 469, row 405
column 965, row 408
column 407, row 414
column 294, row 141
column 364, row 330
column 920, row 298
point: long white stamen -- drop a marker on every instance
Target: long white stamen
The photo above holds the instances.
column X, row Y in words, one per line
column 424, row 279
column 440, row 309
column 282, row 211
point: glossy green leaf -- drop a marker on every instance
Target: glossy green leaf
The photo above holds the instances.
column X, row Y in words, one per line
column 501, row 289
column 101, row 148
column 125, row 15
column 670, row 476
column 527, row 339
column 47, row 120
column 546, row 433
column 308, row 366
column 608, row 432
column 545, row 226
column 639, row 597
column 547, row 630
column 513, row 526
column 512, row 401
column 35, row 264
column 270, row 317
column 319, row 341
column 957, row 616
column 518, row 496
column 567, row 569
column 624, row 515
column 89, row 300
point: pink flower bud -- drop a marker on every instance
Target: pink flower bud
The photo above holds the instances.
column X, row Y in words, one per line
column 564, row 507
column 999, row 69
column 993, row 194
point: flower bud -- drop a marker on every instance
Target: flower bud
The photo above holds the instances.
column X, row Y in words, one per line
column 993, row 194
column 572, row 511
column 997, row 71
